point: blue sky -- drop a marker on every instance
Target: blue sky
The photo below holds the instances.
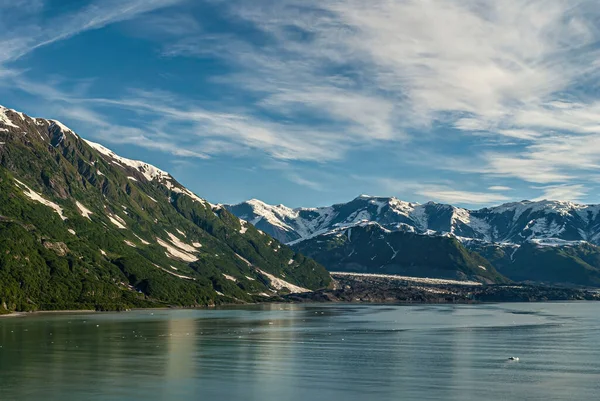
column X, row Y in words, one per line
column 308, row 103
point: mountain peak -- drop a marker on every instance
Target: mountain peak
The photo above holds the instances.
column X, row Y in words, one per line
column 5, row 119
column 149, row 171
column 255, row 201
column 525, row 220
column 118, row 233
column 62, row 127
column 367, row 197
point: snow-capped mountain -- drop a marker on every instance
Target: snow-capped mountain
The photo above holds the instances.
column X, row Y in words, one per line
column 82, row 227
column 544, row 222
column 543, row 241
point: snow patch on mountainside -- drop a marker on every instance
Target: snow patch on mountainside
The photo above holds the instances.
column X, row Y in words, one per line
column 393, row 250
column 175, row 274
column 180, row 244
column 192, row 195
column 275, row 215
column 482, row 227
column 85, row 212
column 401, row 207
column 554, row 242
column 459, row 216
column 21, row 115
column 244, row 259
column 117, row 221
column 143, row 241
column 38, row 198
column 558, row 207
column 176, row 253
column 280, row 284
column 420, row 217
column 230, row 278
column 357, row 217
column 4, row 119
column 379, row 203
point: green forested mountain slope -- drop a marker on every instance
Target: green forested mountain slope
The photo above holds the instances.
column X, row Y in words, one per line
column 576, row 264
column 81, row 227
column 370, row 248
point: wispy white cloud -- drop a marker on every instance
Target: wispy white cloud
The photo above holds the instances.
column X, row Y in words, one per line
column 499, row 188
column 321, row 79
column 23, row 38
column 308, row 178
column 512, row 70
column 305, row 182
column 168, row 122
column 225, row 132
column 454, row 196
column 149, row 137
column 440, row 56
column 574, row 192
column 444, row 193
column 527, row 167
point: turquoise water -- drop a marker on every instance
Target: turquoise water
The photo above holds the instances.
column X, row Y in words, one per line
column 307, row 352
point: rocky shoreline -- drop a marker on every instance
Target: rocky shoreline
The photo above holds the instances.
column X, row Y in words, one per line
column 391, row 289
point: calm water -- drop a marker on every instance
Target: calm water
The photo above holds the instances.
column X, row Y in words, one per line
column 314, row 352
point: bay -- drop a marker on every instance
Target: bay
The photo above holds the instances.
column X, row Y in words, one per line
column 307, row 352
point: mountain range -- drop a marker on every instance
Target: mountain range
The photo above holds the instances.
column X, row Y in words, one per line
column 84, row 228
column 542, row 241
column 81, row 227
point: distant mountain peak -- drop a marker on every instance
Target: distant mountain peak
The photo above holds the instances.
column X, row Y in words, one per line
column 513, row 222
column 549, row 241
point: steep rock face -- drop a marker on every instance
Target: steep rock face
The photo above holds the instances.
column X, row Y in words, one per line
column 564, row 227
column 83, row 227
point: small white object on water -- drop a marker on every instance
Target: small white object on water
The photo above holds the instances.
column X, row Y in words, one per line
column 513, row 358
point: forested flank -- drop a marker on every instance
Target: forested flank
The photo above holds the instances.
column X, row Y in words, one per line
column 91, row 262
